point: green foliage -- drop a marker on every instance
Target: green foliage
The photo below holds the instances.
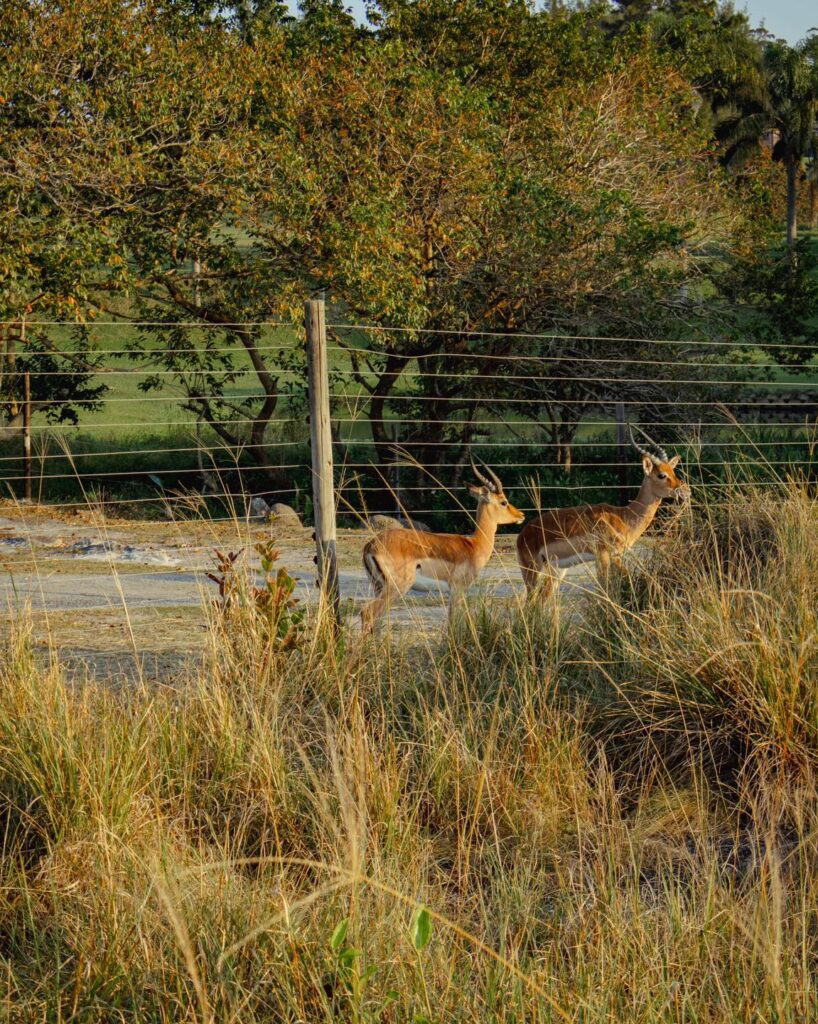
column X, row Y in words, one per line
column 271, row 608
column 145, row 169
column 339, row 935
column 62, row 388
column 784, row 295
column 781, row 114
column 421, row 929
column 461, row 168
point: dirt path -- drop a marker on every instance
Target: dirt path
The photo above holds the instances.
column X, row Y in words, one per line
column 99, row 590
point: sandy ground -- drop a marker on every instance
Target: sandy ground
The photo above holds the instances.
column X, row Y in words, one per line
column 99, row 589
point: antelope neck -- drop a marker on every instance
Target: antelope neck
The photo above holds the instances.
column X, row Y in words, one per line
column 485, row 531
column 639, row 513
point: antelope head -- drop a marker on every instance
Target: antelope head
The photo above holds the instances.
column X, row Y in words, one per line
column 489, row 492
column 660, row 471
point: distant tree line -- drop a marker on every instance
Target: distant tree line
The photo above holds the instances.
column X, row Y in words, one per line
column 595, row 170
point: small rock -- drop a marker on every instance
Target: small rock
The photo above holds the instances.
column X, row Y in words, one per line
column 285, row 515
column 380, row 522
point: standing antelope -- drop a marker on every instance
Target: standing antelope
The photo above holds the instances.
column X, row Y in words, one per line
column 604, row 532
column 392, row 558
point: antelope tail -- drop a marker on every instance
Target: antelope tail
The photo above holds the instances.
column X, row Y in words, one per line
column 374, row 571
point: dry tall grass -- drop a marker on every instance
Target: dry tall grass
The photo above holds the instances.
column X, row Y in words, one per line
column 610, row 815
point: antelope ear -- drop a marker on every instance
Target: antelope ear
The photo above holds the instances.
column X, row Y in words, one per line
column 647, row 464
column 478, row 492
column 674, row 462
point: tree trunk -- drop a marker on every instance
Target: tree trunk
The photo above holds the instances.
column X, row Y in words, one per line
column 565, row 439
column 197, row 284
column 813, row 204
column 384, row 498
column 792, row 206
column 268, row 381
column 11, row 370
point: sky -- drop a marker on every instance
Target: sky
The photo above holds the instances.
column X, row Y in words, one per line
column 790, row 19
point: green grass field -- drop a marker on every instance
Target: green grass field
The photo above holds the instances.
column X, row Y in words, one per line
column 114, row 452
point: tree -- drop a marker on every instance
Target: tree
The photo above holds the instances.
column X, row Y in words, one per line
column 47, row 257
column 433, row 208
column 811, row 177
column 62, row 387
column 502, row 171
column 127, row 150
column 787, row 118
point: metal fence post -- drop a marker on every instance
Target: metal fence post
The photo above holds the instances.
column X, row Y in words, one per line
column 323, row 486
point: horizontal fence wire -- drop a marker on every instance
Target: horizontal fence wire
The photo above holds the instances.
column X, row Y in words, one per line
column 248, row 446
column 279, row 374
column 604, row 402
column 554, row 357
column 513, row 425
column 346, row 466
column 181, row 373
column 170, row 325
column 553, row 379
column 103, row 425
column 88, row 403
column 143, row 353
column 553, row 336
column 103, row 474
column 137, row 473
column 353, row 442
column 509, row 430
column 92, row 502
column 170, row 498
column 119, row 452
column 509, row 336
column 722, row 424
column 71, row 456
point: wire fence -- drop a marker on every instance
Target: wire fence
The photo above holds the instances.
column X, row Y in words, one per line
column 218, row 427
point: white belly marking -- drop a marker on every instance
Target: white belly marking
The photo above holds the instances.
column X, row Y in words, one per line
column 578, row 559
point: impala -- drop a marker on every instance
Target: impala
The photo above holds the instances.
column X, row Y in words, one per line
column 392, row 558
column 568, row 535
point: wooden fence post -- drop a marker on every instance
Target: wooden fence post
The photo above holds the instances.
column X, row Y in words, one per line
column 323, row 485
column 27, row 435
column 622, row 453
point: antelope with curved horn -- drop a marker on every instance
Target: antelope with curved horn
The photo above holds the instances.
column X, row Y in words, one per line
column 392, row 558
column 565, row 536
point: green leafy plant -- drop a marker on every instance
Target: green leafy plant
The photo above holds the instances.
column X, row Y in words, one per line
column 271, row 605
column 354, row 981
column 421, row 928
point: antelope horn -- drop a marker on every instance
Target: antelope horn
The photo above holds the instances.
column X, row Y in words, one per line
column 498, row 486
column 640, row 449
column 492, row 481
column 483, row 480
column 663, row 455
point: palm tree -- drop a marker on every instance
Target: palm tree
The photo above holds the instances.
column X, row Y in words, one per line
column 792, row 76
column 786, row 114
column 811, row 177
